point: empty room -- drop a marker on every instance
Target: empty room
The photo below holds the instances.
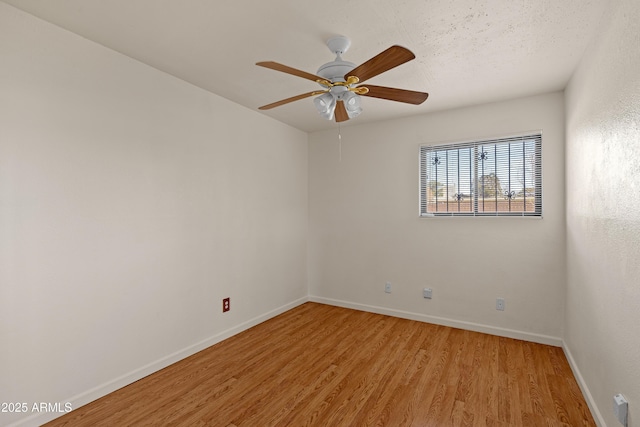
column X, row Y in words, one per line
column 285, row 213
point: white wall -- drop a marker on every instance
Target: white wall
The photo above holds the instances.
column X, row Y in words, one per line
column 131, row 203
column 603, row 213
column 365, row 229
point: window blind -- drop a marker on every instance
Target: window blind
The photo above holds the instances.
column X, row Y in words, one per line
column 496, row 177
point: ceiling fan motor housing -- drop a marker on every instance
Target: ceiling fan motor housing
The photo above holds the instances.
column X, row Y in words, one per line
column 335, row 71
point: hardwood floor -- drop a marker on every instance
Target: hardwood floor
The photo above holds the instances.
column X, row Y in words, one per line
column 319, row 365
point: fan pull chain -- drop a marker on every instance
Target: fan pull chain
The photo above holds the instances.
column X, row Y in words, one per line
column 339, row 144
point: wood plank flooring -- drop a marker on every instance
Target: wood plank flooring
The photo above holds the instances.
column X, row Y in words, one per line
column 319, row 365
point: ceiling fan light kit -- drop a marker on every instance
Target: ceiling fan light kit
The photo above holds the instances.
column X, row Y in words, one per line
column 326, row 105
column 340, row 97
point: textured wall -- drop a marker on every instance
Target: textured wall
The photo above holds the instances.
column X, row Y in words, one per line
column 603, row 213
column 365, row 229
column 131, row 203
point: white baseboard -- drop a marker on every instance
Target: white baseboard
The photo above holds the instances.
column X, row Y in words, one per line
column 476, row 327
column 597, row 416
column 124, row 380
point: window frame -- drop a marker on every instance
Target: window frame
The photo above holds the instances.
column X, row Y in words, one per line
column 474, row 172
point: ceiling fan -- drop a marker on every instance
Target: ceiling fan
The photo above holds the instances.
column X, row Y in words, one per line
column 340, row 95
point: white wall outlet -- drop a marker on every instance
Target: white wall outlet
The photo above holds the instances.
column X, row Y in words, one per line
column 620, row 408
column 387, row 287
column 500, row 304
column 426, row 292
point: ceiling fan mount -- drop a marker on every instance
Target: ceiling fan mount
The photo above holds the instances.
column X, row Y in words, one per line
column 340, row 97
column 338, row 68
column 339, row 45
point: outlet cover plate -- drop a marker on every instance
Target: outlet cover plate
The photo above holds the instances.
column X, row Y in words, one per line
column 620, row 408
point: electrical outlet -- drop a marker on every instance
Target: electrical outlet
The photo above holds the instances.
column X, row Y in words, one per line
column 500, row 304
column 621, row 409
column 387, row 287
column 226, row 305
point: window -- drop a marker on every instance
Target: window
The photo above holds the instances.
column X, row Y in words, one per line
column 498, row 177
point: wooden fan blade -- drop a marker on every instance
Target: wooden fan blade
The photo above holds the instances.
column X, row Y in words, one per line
column 384, row 61
column 393, row 94
column 285, row 69
column 293, row 98
column 341, row 112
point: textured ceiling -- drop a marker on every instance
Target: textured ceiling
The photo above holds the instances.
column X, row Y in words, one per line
column 467, row 51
